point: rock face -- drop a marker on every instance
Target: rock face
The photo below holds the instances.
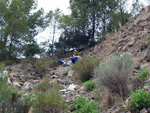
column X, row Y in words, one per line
column 131, row 38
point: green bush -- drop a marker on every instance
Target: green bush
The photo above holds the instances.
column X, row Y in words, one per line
column 45, row 85
column 139, row 100
column 3, row 78
column 42, row 64
column 8, row 93
column 23, row 105
column 50, row 102
column 114, row 74
column 143, row 73
column 83, row 69
column 82, row 105
column 148, row 41
column 90, row 85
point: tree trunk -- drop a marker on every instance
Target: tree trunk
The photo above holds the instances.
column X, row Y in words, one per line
column 5, row 40
column 54, row 27
column 122, row 16
column 93, row 23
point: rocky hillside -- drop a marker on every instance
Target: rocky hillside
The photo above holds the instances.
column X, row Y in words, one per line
column 131, row 38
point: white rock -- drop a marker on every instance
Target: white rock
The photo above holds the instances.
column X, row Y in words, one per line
column 63, row 90
column 71, row 87
column 27, row 86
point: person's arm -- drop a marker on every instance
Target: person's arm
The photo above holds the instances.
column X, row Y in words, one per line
column 9, row 81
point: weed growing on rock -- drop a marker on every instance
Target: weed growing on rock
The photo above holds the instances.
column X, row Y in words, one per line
column 139, row 100
column 114, row 74
column 66, row 72
column 143, row 73
column 83, row 105
column 90, row 85
column 83, row 69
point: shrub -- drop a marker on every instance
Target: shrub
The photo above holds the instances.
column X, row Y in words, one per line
column 8, row 93
column 114, row 73
column 148, row 41
column 143, row 73
column 90, row 85
column 20, row 106
column 3, row 78
column 23, row 105
column 42, row 64
column 45, row 85
column 50, row 102
column 83, row 69
column 139, row 100
column 83, row 105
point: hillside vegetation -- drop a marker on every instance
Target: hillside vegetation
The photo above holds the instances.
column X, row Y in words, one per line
column 112, row 75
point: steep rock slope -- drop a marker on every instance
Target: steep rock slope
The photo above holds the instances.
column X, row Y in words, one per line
column 131, row 38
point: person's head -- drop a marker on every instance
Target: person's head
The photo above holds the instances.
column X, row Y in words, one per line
column 75, row 52
column 9, row 70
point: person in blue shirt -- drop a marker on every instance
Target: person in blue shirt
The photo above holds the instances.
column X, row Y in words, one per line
column 73, row 59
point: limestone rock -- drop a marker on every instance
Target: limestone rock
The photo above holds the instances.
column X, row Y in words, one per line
column 27, row 86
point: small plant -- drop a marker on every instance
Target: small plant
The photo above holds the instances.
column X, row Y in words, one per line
column 23, row 105
column 8, row 93
column 3, row 77
column 90, row 85
column 83, row 105
column 45, row 85
column 139, row 100
column 42, row 64
column 83, row 69
column 50, row 102
column 114, row 74
column 143, row 73
column 66, row 72
column 148, row 41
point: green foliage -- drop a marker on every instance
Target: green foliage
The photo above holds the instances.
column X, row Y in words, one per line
column 18, row 25
column 65, row 43
column 90, row 85
column 136, row 7
column 3, row 78
column 66, row 72
column 23, row 105
column 8, row 93
column 83, row 68
column 83, row 105
column 115, row 21
column 10, row 61
column 139, row 100
column 148, row 40
column 42, row 64
column 50, row 102
column 143, row 73
column 32, row 49
column 45, row 86
column 114, row 74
